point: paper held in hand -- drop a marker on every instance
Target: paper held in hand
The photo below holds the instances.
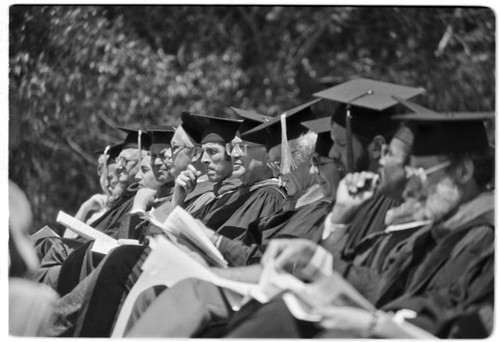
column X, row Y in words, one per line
column 190, row 233
column 102, row 242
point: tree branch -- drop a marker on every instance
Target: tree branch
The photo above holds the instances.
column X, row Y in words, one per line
column 250, row 19
column 74, row 146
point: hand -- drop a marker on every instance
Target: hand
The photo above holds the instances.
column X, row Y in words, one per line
column 143, row 199
column 353, row 190
column 185, row 183
column 96, row 202
column 290, row 255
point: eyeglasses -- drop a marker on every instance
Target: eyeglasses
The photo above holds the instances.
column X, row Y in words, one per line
column 423, row 173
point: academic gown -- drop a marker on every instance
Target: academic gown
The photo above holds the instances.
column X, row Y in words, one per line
column 83, row 261
column 195, row 308
column 305, row 222
column 90, row 309
column 223, row 192
column 232, row 217
column 464, row 312
column 115, row 213
column 369, row 219
column 263, row 198
column 428, row 265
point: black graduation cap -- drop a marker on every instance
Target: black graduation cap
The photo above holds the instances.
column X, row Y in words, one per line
column 250, row 119
column 111, row 151
column 365, row 108
column 132, row 139
column 270, row 133
column 204, row 129
column 324, row 141
column 160, row 137
column 448, row 133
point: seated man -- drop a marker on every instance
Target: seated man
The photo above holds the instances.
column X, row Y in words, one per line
column 447, row 187
column 255, row 196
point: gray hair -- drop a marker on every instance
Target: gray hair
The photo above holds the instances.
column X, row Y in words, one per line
column 304, row 145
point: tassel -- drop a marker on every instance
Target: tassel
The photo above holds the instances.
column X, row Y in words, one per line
column 349, row 143
column 287, row 162
column 139, row 147
column 105, row 166
column 348, row 128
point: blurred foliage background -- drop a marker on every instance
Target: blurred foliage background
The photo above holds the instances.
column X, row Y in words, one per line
column 78, row 71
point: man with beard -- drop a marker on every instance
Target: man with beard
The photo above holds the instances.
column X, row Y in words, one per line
column 448, row 176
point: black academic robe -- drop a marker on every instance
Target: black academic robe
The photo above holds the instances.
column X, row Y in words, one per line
column 232, row 216
column 368, row 220
column 429, row 264
column 464, row 312
column 115, row 213
column 53, row 252
column 83, row 261
column 224, row 192
column 305, row 222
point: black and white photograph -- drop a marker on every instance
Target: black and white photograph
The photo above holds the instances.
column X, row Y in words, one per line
column 249, row 170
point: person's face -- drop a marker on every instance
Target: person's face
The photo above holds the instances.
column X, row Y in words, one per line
column 145, row 175
column 327, row 174
column 159, row 162
column 115, row 187
column 432, row 188
column 179, row 156
column 391, row 168
column 339, row 148
column 128, row 165
column 101, row 168
column 112, row 176
column 248, row 159
column 217, row 163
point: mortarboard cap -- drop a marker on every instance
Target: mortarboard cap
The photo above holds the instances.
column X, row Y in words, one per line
column 370, row 94
column 270, row 133
column 365, row 108
column 110, row 151
column 132, row 139
column 250, row 119
column 324, row 141
column 204, row 129
column 137, row 138
column 280, row 130
column 448, row 133
column 160, row 137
